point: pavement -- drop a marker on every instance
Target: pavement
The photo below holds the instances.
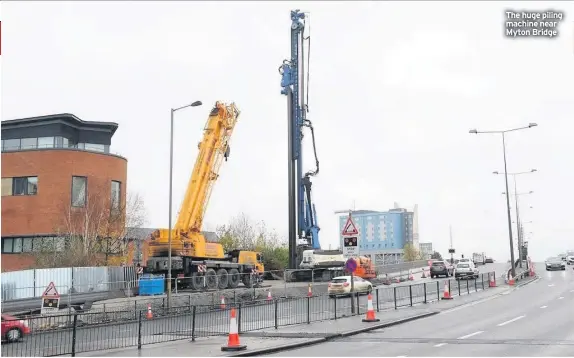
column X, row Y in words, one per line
column 535, row 320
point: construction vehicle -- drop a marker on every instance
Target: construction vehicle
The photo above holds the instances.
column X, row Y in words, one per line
column 196, row 263
column 303, row 226
column 331, row 263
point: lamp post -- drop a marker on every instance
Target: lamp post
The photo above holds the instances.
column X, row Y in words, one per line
column 173, row 110
column 502, row 133
column 518, row 223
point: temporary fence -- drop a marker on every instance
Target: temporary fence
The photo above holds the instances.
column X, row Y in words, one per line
column 138, row 326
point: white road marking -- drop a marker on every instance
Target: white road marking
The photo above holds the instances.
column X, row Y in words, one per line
column 440, row 345
column 543, row 306
column 551, row 285
column 560, row 297
column 510, row 321
column 571, row 291
column 470, row 335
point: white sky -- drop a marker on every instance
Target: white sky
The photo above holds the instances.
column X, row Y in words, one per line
column 395, row 87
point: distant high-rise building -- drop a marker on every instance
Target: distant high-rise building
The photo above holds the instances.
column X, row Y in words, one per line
column 426, row 250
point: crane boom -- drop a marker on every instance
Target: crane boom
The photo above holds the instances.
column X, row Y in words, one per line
column 303, row 225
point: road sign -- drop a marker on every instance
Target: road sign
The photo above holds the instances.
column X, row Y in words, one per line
column 351, row 265
column 51, row 291
column 350, row 229
column 350, row 246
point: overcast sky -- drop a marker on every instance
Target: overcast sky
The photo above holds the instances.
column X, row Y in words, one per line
column 395, row 87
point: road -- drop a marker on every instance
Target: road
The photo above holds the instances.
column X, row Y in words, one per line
column 124, row 334
column 535, row 320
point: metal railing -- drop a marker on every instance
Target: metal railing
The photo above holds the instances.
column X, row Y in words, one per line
column 93, row 331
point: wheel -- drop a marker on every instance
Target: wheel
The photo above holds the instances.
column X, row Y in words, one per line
column 234, row 278
column 222, row 279
column 247, row 280
column 431, row 276
column 332, row 296
column 13, row 335
column 196, row 281
column 326, row 276
column 211, row 279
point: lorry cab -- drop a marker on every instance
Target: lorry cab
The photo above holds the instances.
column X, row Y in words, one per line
column 248, row 258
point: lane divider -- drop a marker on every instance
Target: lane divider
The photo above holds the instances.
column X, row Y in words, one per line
column 510, row 321
column 543, row 306
column 471, row 335
column 440, row 344
column 560, row 297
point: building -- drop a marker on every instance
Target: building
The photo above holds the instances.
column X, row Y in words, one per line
column 426, row 250
column 56, row 169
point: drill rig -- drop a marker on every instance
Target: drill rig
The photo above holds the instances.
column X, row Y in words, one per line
column 304, row 247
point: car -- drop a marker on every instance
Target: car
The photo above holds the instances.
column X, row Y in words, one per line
column 341, row 285
column 441, row 268
column 466, row 269
column 489, row 260
column 14, row 329
column 555, row 263
column 570, row 258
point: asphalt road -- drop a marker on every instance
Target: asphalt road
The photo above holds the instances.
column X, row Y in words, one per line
column 124, row 334
column 535, row 320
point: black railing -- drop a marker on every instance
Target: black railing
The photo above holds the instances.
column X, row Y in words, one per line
column 93, row 331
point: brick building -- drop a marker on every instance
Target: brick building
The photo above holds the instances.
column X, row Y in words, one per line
column 54, row 167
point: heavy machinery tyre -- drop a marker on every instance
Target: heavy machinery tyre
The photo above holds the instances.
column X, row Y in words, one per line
column 234, row 278
column 326, row 276
column 13, row 335
column 211, row 279
column 247, row 280
column 196, row 281
column 222, row 278
column 370, row 289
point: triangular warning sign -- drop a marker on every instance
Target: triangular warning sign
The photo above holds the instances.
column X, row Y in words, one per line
column 349, row 229
column 51, row 291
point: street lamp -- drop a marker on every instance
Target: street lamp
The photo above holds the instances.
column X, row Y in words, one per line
column 173, row 110
column 502, row 133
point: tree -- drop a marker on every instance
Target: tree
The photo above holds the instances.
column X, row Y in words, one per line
column 94, row 234
column 436, row 256
column 410, row 253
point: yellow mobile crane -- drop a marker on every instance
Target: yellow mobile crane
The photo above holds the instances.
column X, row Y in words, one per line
column 195, row 262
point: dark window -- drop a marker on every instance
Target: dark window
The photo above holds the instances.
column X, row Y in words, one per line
column 25, row 186
column 11, row 144
column 29, row 143
column 79, row 190
column 46, row 142
column 7, row 245
column 116, row 194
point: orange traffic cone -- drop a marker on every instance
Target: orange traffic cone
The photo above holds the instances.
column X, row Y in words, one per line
column 309, row 292
column 233, row 339
column 411, row 277
column 370, row 311
column 492, row 282
column 269, row 298
column 149, row 315
column 446, row 295
column 510, row 280
column 222, row 305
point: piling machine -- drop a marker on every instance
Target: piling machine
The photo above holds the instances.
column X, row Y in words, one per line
column 306, row 259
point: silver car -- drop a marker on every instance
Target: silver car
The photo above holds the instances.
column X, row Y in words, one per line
column 555, row 263
column 466, row 269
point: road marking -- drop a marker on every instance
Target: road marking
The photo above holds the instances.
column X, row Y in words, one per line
column 560, row 297
column 571, row 291
column 510, row 321
column 543, row 306
column 470, row 335
column 440, row 345
column 551, row 285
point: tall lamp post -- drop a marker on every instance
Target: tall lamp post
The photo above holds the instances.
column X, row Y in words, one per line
column 502, row 133
column 518, row 223
column 173, row 110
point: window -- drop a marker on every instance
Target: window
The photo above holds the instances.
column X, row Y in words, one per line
column 27, row 244
column 79, row 189
column 94, row 147
column 46, row 142
column 61, row 142
column 7, row 245
column 11, row 144
column 29, row 143
column 116, row 194
column 25, row 186
column 6, row 186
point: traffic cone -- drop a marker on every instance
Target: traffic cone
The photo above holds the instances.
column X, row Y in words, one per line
column 446, row 295
column 233, row 339
column 269, row 298
column 222, row 305
column 492, row 282
column 510, row 280
column 370, row 311
column 411, row 277
column 149, row 315
column 309, row 292
column 424, row 273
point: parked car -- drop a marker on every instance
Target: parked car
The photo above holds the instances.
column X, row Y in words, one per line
column 13, row 329
column 466, row 269
column 341, row 285
column 489, row 260
column 555, row 263
column 441, row 268
column 570, row 258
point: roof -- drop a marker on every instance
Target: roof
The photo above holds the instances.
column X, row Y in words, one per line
column 143, row 233
column 65, row 118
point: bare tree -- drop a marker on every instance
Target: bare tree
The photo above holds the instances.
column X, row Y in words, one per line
column 89, row 235
column 411, row 253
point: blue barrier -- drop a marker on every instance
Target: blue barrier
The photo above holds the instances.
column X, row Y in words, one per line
column 150, row 285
